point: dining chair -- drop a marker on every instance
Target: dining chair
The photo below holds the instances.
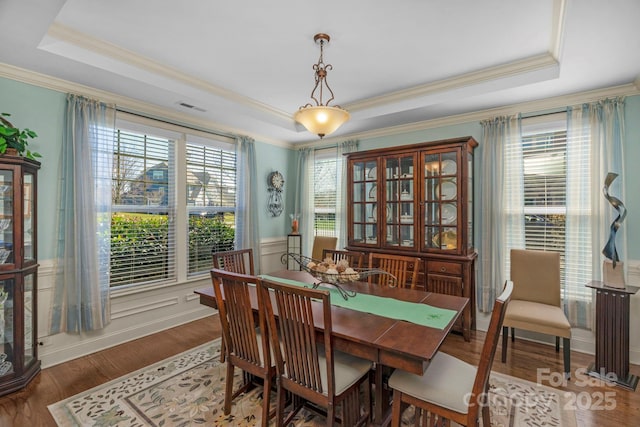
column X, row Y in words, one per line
column 308, row 366
column 354, row 258
column 403, row 268
column 451, row 389
column 321, row 243
column 536, row 304
column 237, row 261
column 246, row 346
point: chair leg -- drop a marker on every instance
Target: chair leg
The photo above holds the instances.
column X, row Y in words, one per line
column 396, row 411
column 557, row 344
column 280, row 404
column 566, row 346
column 505, row 341
column 266, row 400
column 228, row 390
column 513, row 334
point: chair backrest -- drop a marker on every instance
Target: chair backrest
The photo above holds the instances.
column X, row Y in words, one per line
column 321, row 243
column 298, row 362
column 481, row 383
column 403, row 268
column 237, row 320
column 536, row 276
column 354, row 258
column 238, row 261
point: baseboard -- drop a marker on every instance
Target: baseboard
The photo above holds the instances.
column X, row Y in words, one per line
column 63, row 352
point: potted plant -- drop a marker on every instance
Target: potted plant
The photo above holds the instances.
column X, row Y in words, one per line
column 12, row 138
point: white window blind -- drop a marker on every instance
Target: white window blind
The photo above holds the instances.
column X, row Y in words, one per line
column 211, row 201
column 325, row 192
column 544, row 165
column 143, row 209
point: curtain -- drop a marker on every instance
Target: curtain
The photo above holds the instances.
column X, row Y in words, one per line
column 341, row 190
column 247, row 229
column 502, row 200
column 304, row 197
column 595, row 132
column 81, row 285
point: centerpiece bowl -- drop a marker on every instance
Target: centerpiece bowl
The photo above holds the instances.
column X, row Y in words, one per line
column 335, row 273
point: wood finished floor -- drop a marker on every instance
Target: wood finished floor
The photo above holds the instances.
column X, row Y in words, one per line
column 28, row 407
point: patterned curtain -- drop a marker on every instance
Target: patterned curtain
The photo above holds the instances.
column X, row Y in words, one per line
column 81, row 290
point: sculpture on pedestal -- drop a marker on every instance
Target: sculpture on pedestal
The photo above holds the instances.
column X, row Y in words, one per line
column 613, row 276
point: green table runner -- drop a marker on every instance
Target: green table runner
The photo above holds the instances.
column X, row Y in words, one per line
column 420, row 314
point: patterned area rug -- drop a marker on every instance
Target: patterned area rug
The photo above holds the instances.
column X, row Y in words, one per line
column 188, row 390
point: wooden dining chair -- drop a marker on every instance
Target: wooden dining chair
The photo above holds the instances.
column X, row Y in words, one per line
column 237, row 261
column 320, row 243
column 246, row 346
column 451, row 389
column 403, row 268
column 354, row 258
column 313, row 371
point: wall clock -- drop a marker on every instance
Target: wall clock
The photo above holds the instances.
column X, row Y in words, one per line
column 275, row 182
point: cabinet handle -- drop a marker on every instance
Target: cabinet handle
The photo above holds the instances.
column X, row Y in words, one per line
column 443, row 269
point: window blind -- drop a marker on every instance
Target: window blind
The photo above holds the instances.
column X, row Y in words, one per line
column 143, row 209
column 211, row 201
column 325, row 174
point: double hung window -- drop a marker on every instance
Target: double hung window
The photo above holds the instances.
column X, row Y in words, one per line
column 173, row 202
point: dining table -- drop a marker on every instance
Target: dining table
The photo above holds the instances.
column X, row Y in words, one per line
column 377, row 329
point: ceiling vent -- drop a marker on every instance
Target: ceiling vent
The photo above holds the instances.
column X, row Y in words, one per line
column 191, row 107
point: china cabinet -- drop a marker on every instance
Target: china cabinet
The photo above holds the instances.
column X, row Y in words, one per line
column 418, row 200
column 18, row 273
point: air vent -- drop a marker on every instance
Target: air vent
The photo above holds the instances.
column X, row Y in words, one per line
column 191, row 107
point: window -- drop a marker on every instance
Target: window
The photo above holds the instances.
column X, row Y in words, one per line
column 325, row 172
column 173, row 202
column 545, row 167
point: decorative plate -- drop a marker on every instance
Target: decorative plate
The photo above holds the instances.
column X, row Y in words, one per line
column 449, row 167
column 449, row 240
column 449, row 213
column 447, row 190
column 373, row 173
column 372, row 192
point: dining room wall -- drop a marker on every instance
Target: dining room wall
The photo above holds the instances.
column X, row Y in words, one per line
column 40, row 105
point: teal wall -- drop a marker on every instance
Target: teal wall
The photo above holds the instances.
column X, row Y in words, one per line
column 43, row 111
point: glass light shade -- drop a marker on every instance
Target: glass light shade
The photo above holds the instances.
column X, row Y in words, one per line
column 321, row 120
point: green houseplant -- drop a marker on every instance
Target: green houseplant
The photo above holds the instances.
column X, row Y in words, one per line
column 13, row 138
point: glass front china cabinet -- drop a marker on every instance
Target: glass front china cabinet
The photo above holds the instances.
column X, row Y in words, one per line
column 18, row 273
column 417, row 200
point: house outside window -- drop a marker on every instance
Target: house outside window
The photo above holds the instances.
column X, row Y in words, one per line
column 173, row 203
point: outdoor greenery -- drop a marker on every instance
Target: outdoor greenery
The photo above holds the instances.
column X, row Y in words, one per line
column 140, row 246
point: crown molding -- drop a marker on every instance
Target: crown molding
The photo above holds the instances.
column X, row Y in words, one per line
column 127, row 104
column 515, row 68
column 64, row 34
column 131, row 105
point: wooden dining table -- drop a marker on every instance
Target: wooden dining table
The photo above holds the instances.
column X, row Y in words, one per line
column 390, row 343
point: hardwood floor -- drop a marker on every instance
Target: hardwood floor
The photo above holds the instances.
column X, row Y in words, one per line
column 28, row 407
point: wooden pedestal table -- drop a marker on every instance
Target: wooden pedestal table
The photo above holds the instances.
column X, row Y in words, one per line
column 612, row 335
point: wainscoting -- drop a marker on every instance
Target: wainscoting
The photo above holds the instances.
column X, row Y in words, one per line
column 134, row 312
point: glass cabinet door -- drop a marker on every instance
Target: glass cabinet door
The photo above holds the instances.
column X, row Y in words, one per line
column 7, row 343
column 441, row 207
column 6, row 216
column 29, row 320
column 399, row 192
column 27, row 213
column 365, row 202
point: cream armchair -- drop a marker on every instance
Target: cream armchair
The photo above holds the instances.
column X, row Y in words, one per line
column 536, row 304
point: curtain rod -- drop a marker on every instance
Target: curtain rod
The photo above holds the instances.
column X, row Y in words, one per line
column 217, row 133
column 530, row 115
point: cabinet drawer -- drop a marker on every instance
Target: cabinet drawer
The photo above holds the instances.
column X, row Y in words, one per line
column 442, row 267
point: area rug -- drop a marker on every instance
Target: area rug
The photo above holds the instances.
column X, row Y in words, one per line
column 188, row 390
